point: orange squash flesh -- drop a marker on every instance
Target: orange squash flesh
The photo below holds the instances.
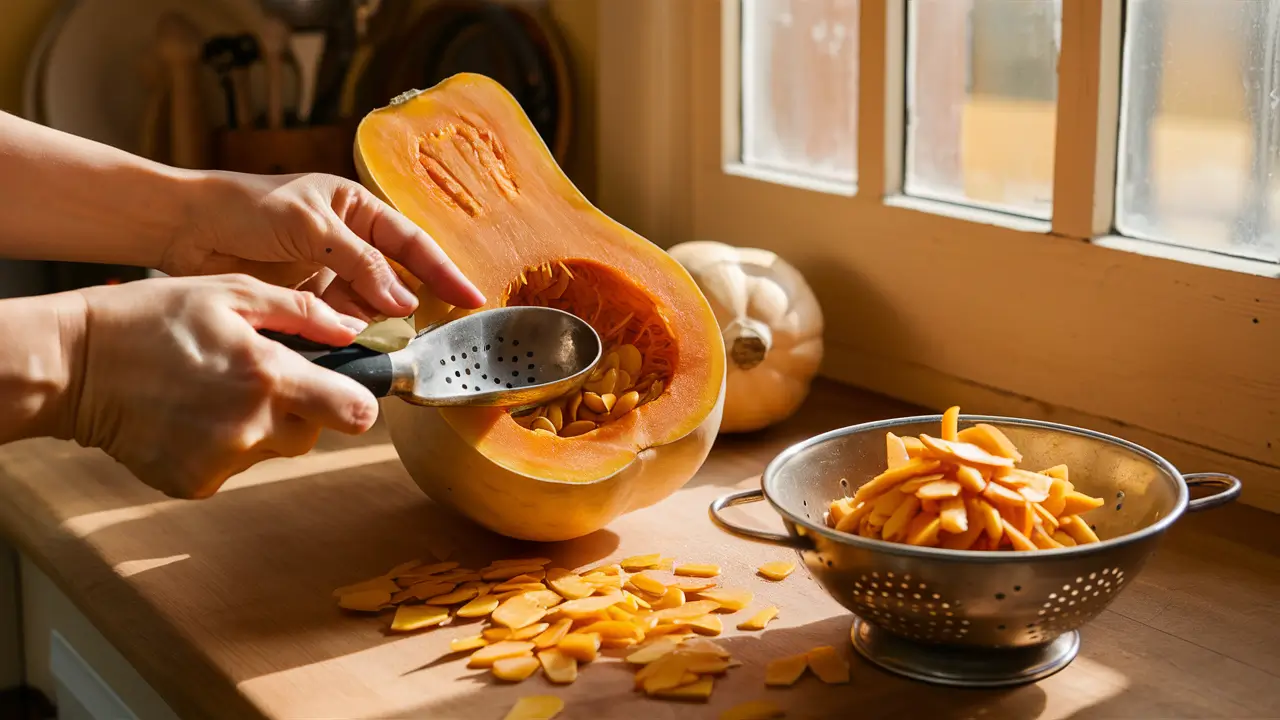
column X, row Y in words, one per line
column 464, row 163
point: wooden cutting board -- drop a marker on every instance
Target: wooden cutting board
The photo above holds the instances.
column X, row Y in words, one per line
column 224, row 605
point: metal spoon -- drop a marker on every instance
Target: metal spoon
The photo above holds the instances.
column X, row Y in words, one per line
column 507, row 357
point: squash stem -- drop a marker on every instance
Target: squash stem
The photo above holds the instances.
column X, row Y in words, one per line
column 748, row 342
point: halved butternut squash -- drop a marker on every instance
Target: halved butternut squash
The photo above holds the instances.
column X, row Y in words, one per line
column 463, row 162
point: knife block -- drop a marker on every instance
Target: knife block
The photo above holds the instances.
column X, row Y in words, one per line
column 318, row 149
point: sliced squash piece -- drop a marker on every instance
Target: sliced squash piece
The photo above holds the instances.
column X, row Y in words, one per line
column 785, row 671
column 463, row 162
column 515, row 669
column 535, row 707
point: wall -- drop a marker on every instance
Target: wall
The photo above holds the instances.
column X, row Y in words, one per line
column 23, row 21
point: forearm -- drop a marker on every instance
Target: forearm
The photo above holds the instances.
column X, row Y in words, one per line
column 63, row 197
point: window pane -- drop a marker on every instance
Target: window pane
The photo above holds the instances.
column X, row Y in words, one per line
column 800, row 86
column 982, row 89
column 1198, row 125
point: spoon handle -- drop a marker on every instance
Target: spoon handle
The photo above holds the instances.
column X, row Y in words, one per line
column 372, row 369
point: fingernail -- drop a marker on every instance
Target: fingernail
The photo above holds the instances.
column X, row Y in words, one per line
column 355, row 325
column 403, row 296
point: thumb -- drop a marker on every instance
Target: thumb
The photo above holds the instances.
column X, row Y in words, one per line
column 268, row 307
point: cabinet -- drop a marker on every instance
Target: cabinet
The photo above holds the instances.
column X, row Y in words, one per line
column 65, row 657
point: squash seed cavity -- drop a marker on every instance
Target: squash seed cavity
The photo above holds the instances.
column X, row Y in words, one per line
column 640, row 351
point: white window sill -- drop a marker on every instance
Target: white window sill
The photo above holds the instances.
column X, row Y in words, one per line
column 1192, row 256
column 793, row 180
column 969, row 213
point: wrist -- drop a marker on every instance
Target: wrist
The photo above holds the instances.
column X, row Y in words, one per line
column 42, row 365
column 71, row 315
column 204, row 198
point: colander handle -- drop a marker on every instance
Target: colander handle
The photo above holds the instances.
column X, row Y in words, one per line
column 743, row 497
column 1231, row 489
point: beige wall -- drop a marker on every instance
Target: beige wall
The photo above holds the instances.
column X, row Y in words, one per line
column 579, row 21
column 23, row 20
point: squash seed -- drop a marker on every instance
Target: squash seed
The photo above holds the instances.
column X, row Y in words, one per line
column 577, row 427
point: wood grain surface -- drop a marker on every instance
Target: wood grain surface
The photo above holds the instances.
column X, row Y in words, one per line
column 224, row 605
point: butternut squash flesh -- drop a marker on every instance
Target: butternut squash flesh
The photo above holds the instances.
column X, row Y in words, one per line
column 463, row 162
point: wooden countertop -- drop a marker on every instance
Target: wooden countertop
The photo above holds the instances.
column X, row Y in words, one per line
column 224, row 605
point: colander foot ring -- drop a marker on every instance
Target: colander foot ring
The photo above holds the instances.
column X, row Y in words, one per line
column 963, row 667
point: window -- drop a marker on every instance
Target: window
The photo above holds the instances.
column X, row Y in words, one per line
column 1049, row 112
column 800, row 87
column 981, row 102
column 1200, row 126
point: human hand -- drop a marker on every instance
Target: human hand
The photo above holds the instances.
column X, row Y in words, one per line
column 316, row 232
column 177, row 385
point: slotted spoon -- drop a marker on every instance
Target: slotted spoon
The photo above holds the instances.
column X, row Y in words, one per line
column 507, row 357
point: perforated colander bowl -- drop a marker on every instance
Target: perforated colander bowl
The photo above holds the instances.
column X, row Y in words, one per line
column 975, row 618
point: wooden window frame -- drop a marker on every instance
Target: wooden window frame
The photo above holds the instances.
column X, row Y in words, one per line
column 1175, row 349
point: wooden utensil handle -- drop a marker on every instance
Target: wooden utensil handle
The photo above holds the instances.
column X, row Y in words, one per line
column 179, row 46
column 244, row 104
column 273, row 38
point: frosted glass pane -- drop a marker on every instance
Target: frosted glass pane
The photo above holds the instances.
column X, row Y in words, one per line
column 800, row 87
column 1199, row 123
column 982, row 90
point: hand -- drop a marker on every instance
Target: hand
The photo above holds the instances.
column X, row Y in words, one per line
column 177, row 385
column 316, row 232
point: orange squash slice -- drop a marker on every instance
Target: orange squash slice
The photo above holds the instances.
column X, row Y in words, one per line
column 463, row 161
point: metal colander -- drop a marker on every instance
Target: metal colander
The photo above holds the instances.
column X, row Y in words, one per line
column 975, row 618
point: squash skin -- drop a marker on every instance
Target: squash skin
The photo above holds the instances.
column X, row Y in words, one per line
column 449, row 467
column 455, row 474
column 769, row 388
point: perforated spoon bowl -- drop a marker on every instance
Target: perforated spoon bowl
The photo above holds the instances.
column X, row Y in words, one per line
column 507, row 357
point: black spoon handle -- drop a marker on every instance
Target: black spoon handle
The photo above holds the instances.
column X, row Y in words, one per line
column 370, row 368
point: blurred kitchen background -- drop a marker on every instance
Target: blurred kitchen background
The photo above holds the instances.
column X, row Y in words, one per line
column 277, row 86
